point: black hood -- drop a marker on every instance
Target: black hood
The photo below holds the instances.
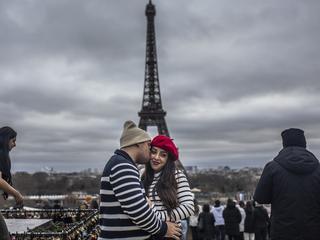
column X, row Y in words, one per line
column 297, row 160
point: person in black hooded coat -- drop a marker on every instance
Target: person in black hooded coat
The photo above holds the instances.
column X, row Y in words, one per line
column 260, row 222
column 249, row 222
column 291, row 183
column 206, row 223
column 232, row 219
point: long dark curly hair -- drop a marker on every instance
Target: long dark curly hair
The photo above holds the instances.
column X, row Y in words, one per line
column 6, row 134
column 166, row 186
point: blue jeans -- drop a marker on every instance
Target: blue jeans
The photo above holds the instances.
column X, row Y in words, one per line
column 184, row 228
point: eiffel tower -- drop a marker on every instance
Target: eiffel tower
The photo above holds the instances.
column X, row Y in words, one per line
column 152, row 113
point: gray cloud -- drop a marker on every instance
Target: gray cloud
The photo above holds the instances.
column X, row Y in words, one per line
column 232, row 77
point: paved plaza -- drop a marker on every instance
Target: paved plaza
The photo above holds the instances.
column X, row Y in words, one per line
column 23, row 225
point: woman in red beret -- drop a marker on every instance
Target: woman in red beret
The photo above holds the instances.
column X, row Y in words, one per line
column 167, row 186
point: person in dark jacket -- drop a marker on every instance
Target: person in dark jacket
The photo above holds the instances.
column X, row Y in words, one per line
column 260, row 222
column 206, row 223
column 232, row 218
column 248, row 222
column 7, row 143
column 291, row 183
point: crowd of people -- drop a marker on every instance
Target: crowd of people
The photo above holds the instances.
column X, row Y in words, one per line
column 231, row 221
column 158, row 204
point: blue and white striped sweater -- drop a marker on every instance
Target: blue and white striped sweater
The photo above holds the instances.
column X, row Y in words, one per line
column 185, row 208
column 124, row 211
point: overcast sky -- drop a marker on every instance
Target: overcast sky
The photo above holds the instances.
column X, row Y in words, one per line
column 233, row 74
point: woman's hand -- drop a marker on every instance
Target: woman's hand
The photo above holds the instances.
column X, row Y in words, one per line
column 149, row 202
column 19, row 199
column 173, row 230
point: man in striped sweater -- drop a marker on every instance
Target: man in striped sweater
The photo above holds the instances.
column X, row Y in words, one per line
column 124, row 210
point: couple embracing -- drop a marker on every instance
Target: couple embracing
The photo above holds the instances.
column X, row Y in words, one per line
column 150, row 208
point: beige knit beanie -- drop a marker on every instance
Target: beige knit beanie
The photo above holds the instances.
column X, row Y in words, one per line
column 131, row 135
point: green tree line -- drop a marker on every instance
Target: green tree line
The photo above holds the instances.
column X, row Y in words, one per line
column 41, row 183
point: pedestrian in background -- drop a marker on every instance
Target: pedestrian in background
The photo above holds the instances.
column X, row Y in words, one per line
column 260, row 222
column 249, row 222
column 232, row 219
column 243, row 217
column 7, row 143
column 206, row 223
column 193, row 220
column 217, row 211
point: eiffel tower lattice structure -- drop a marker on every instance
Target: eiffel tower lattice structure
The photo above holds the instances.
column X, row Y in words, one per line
column 152, row 113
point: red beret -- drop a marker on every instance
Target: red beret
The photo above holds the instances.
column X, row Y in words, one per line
column 166, row 144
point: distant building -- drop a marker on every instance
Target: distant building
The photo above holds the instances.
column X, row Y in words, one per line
column 191, row 169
